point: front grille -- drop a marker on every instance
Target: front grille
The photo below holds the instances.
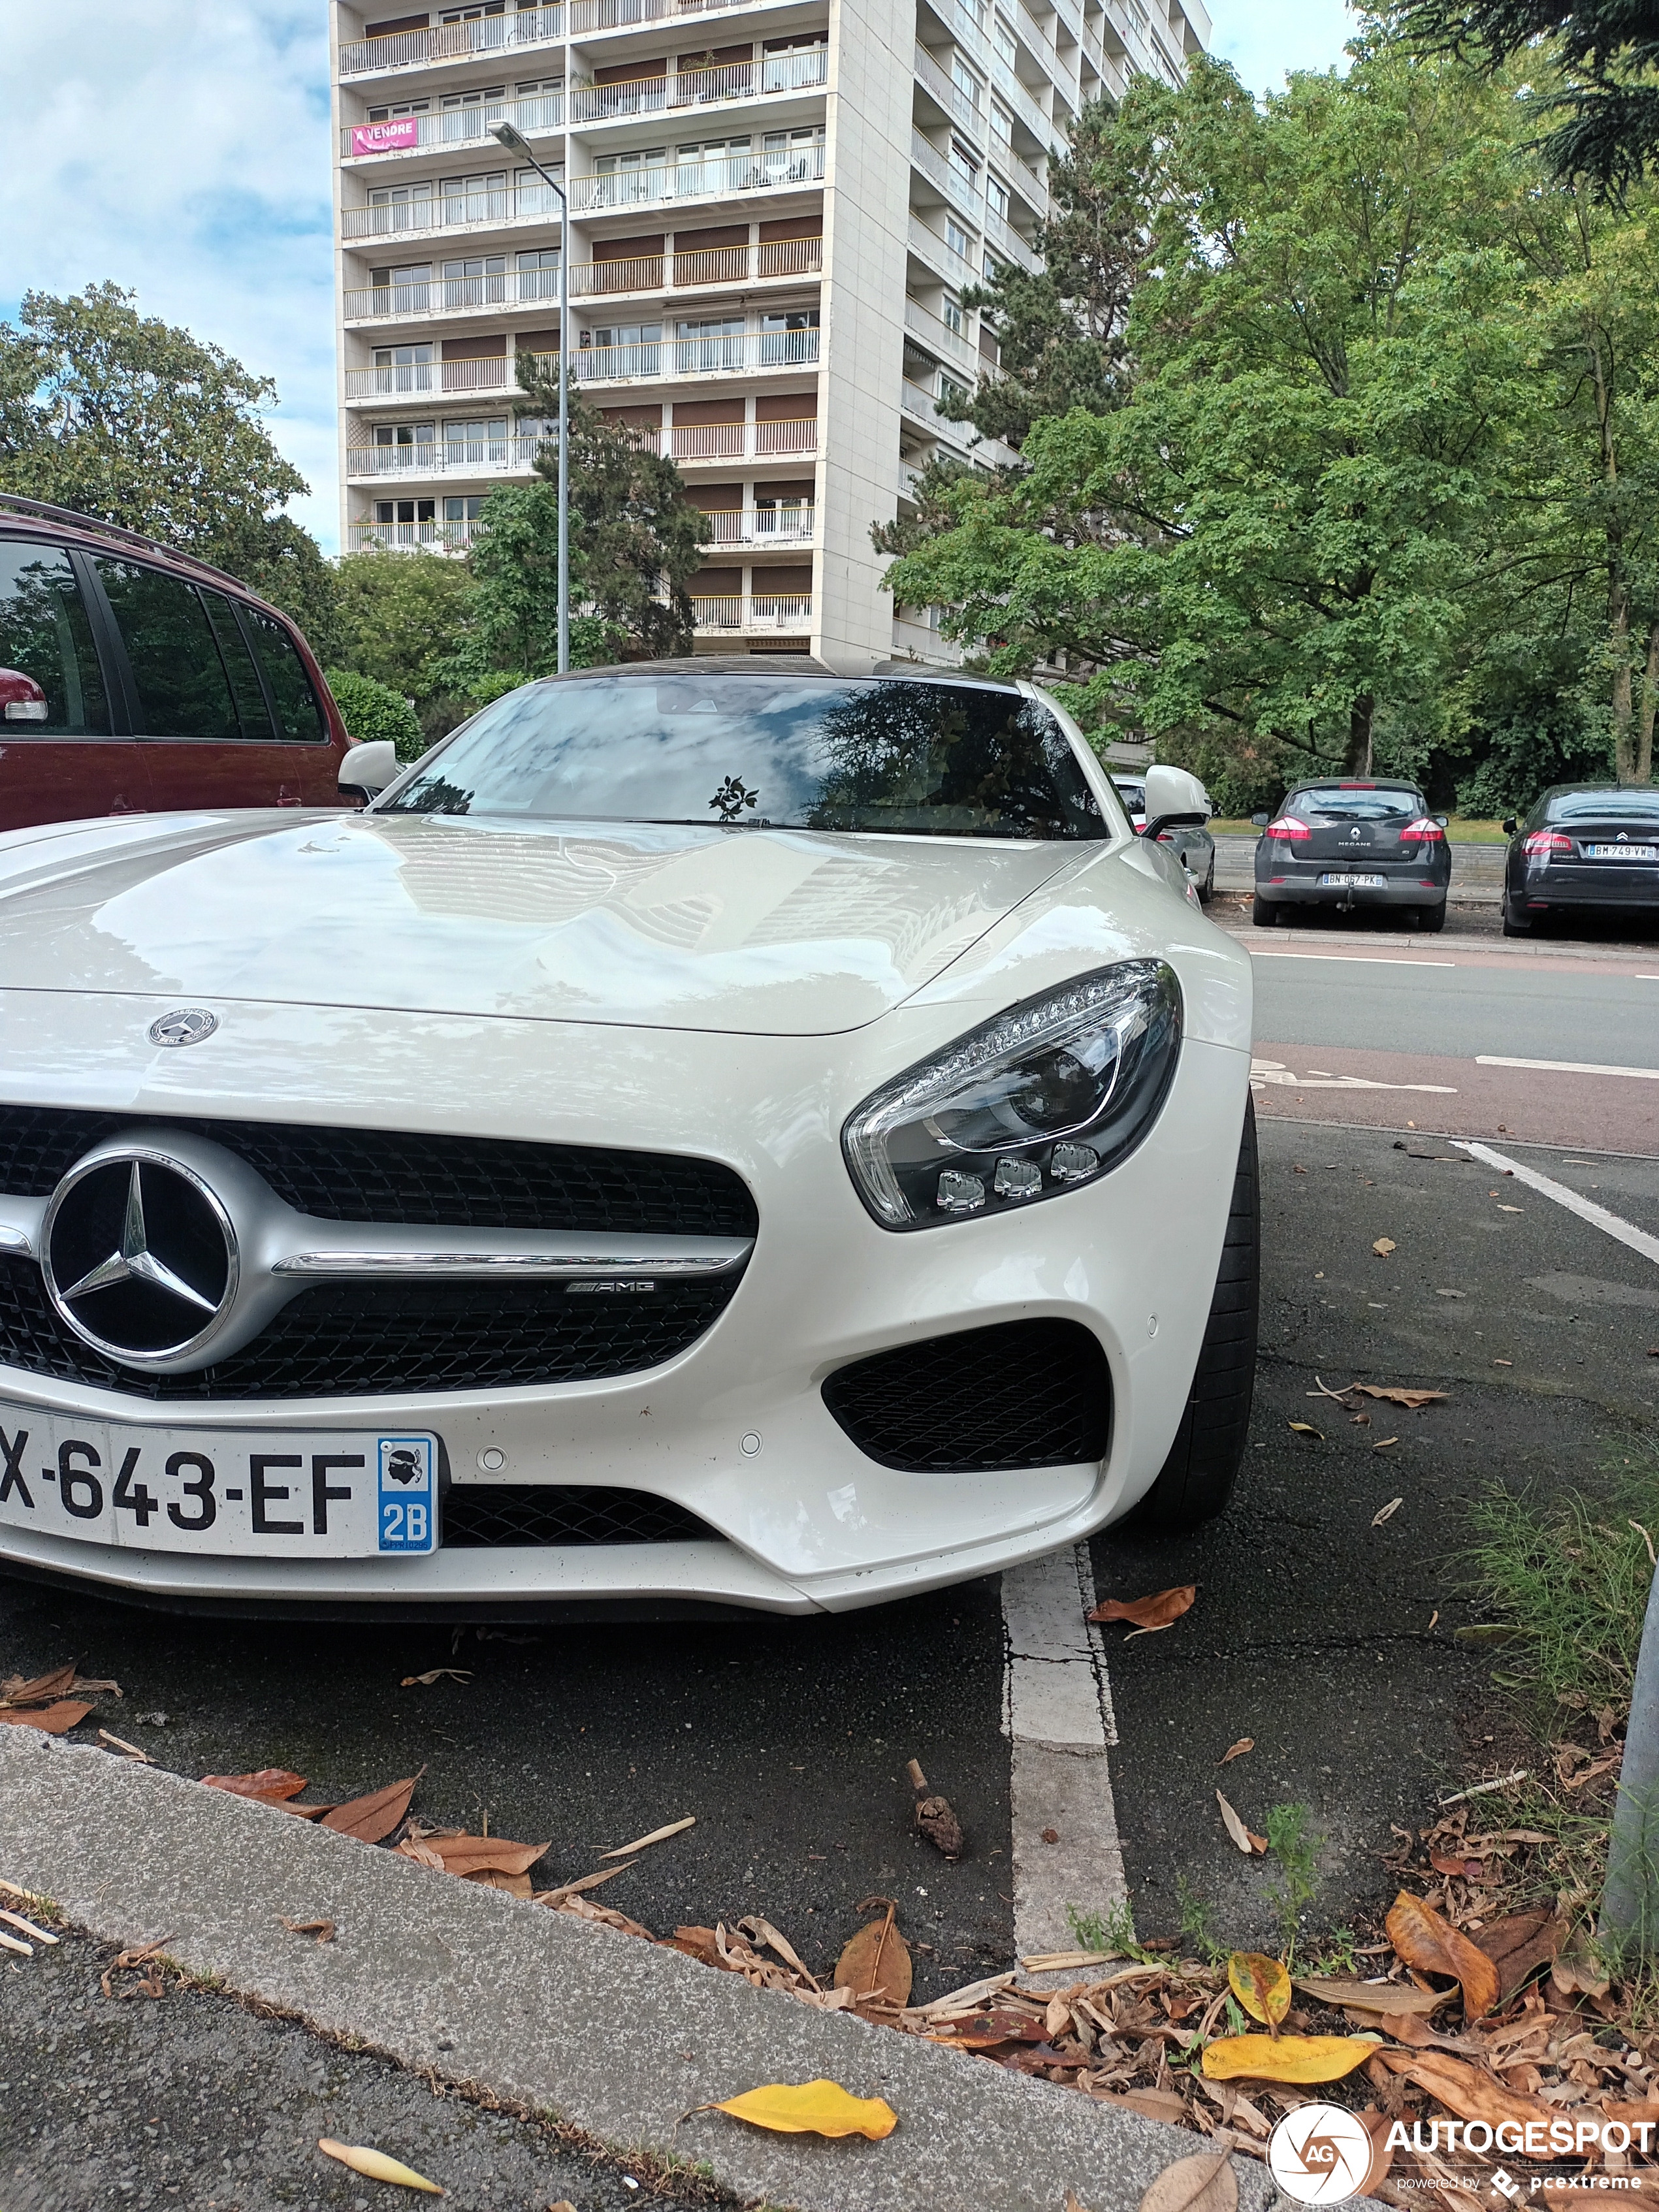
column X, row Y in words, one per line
column 1023, row 1394
column 512, row 1515
column 404, row 1176
column 340, row 1340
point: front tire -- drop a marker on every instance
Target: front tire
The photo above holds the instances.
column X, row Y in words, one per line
column 1207, row 889
column 1197, row 1478
column 1264, row 915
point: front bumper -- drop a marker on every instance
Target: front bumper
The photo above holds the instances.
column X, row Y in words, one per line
column 735, row 1429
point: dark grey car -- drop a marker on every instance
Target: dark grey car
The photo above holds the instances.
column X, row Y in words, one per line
column 1347, row 843
column 1583, row 845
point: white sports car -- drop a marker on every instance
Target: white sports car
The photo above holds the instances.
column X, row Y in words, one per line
column 712, row 1133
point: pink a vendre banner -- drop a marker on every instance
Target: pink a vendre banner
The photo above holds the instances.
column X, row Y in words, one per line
column 385, row 137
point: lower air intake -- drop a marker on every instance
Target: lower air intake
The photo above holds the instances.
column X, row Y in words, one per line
column 510, row 1515
column 1023, row 1394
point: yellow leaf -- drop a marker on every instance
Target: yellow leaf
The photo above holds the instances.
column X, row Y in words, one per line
column 1284, row 2057
column 812, row 2108
column 1307, row 1429
column 1260, row 1984
column 1382, row 1247
column 376, row 2165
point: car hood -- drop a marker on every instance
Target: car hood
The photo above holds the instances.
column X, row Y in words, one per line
column 774, row 932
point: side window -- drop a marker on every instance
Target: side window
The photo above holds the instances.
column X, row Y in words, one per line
column 299, row 716
column 246, row 687
column 45, row 634
column 183, row 689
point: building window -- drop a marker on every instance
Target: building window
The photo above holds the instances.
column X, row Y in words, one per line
column 789, row 335
column 476, row 444
column 956, row 238
column 996, row 195
column 472, row 15
column 965, row 81
column 404, row 510
column 401, row 291
column 711, row 341
column 1002, row 126
column 466, row 507
column 626, row 350
column 950, row 392
column 390, row 114
column 951, row 315
column 475, row 199
column 965, row 163
column 539, row 272
column 474, row 281
column 1007, row 46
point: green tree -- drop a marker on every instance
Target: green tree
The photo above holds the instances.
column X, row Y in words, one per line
column 1608, row 51
column 371, row 710
column 1280, row 548
column 511, row 607
column 402, row 616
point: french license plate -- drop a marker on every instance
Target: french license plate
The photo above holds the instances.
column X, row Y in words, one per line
column 1622, row 852
column 334, row 1494
column 1355, row 883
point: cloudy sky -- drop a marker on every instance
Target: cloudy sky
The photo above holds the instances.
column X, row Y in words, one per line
column 180, row 147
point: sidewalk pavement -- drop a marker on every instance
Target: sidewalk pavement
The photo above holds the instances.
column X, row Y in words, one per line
column 620, row 2038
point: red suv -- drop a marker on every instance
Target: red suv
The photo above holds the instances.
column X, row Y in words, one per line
column 134, row 679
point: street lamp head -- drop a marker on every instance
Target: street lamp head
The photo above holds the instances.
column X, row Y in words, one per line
column 512, row 140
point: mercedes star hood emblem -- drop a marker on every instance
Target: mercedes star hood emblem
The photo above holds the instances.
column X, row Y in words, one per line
column 185, row 1025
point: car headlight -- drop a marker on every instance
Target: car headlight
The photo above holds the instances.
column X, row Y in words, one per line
column 1049, row 1095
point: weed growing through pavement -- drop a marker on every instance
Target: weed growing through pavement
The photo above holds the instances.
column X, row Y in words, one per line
column 1197, row 1927
column 1297, row 1853
column 1113, row 1931
column 1336, row 1955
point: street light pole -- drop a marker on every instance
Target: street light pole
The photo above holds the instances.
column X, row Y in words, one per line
column 515, row 143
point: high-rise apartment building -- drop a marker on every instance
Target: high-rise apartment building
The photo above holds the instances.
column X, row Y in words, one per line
column 776, row 206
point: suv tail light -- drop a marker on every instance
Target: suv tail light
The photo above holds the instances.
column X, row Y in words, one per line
column 1425, row 830
column 1545, row 842
column 1287, row 827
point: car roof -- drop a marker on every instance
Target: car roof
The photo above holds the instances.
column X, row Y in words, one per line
column 785, row 663
column 63, row 523
column 1351, row 783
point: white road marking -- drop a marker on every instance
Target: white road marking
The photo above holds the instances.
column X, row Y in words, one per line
column 1057, row 1716
column 1575, row 1202
column 1365, row 959
column 1566, row 1066
column 1274, row 1071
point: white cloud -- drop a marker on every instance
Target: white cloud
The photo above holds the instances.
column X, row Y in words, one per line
column 181, row 149
column 1263, row 39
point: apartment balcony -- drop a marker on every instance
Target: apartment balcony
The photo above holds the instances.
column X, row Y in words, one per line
column 945, row 93
column 931, row 249
column 448, row 42
column 736, row 613
column 452, row 295
column 410, row 537
column 453, row 128
column 952, row 344
column 1006, row 243
column 675, row 89
column 451, row 211
column 763, row 529
column 678, row 182
column 439, row 456
column 651, row 360
column 961, row 193
column 693, row 442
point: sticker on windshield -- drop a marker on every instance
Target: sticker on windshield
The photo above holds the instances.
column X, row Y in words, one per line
column 407, row 1493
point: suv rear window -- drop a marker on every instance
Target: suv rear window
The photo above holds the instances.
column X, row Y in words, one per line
column 915, row 759
column 1337, row 802
column 300, row 719
column 183, row 689
column 45, row 634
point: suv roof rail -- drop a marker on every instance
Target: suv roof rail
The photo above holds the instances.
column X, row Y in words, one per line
column 11, row 501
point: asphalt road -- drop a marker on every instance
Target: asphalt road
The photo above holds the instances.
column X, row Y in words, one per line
column 1316, row 1632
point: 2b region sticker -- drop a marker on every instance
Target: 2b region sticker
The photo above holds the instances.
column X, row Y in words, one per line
column 1320, row 2155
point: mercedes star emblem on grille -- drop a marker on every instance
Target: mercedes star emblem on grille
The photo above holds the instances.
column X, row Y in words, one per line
column 185, row 1025
column 140, row 1257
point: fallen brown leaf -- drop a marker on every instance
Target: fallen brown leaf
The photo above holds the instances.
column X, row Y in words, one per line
column 1396, row 1395
column 1388, row 1511
column 40, row 1690
column 1466, row 2090
column 436, row 1674
column 373, row 1818
column 1378, row 1997
column 1203, row 2183
column 656, row 1836
column 324, row 1930
column 469, row 1854
column 877, row 1962
column 1467, row 1870
column 1155, row 1612
column 1383, row 1246
column 130, row 1750
column 1575, row 1973
column 272, row 1783
column 1237, row 1750
column 1519, row 1944
column 1247, row 1843
column 1425, row 1941
column 52, row 1720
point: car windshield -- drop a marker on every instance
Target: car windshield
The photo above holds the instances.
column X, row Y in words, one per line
column 1347, row 802
column 766, row 751
column 1604, row 806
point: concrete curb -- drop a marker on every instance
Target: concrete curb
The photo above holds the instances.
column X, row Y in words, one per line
column 619, row 2037
column 1445, row 945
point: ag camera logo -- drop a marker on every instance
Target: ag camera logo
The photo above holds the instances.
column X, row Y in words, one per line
column 1320, row 2155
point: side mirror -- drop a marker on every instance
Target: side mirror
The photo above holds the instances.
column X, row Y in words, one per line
column 370, row 768
column 1444, row 820
column 22, row 699
column 1259, row 821
column 1175, row 800
column 1509, row 825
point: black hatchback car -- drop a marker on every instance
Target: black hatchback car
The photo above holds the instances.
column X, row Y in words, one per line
column 1583, row 845
column 1343, row 843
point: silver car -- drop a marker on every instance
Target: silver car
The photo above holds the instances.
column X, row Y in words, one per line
column 1193, row 847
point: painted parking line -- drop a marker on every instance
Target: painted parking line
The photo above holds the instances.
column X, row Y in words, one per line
column 1566, row 1066
column 1057, row 1716
column 1613, row 1225
column 1264, row 1072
